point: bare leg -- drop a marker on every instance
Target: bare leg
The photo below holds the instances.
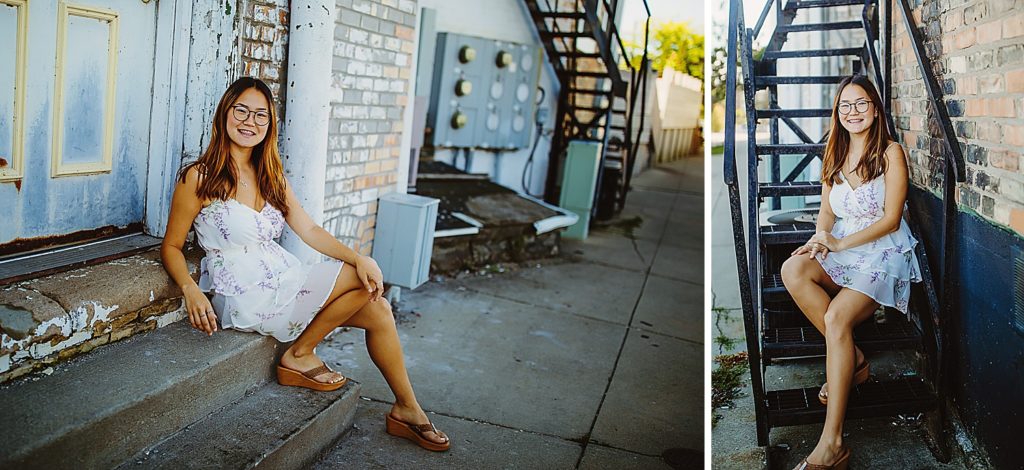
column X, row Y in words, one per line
column 347, row 297
column 810, row 286
column 848, row 309
column 386, row 352
column 812, row 289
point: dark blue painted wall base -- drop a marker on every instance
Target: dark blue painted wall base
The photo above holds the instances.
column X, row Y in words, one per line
column 985, row 350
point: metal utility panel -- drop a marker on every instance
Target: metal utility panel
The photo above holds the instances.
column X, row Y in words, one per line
column 458, row 74
column 510, row 96
column 483, row 93
column 579, row 181
column 404, row 238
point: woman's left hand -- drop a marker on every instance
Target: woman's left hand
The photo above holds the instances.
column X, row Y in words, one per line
column 371, row 276
column 825, row 239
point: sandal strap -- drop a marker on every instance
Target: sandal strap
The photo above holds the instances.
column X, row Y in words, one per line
column 422, row 429
column 317, row 371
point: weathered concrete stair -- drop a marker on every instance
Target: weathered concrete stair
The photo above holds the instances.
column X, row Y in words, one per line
column 188, row 399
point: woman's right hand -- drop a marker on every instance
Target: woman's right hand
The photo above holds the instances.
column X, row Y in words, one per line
column 812, row 248
column 200, row 311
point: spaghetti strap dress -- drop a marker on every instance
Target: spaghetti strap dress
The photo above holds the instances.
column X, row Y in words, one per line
column 257, row 285
column 882, row 269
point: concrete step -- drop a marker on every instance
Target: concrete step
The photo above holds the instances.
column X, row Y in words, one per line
column 275, row 427
column 101, row 408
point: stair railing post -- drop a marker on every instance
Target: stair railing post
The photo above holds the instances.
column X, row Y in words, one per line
column 744, row 267
column 753, row 200
column 887, row 44
column 870, row 27
column 644, row 72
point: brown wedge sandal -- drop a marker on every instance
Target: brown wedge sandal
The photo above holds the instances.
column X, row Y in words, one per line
column 860, row 375
column 415, row 432
column 307, row 379
column 841, row 464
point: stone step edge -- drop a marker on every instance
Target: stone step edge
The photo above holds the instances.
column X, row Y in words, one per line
column 251, row 433
column 74, row 312
column 104, row 406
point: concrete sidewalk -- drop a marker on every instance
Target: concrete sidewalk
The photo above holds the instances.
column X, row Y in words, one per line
column 895, row 442
column 590, row 360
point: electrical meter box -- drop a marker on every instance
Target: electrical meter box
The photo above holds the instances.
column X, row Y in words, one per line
column 483, row 93
column 404, row 238
column 579, row 182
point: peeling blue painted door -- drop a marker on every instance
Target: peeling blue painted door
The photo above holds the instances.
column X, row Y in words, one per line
column 76, row 83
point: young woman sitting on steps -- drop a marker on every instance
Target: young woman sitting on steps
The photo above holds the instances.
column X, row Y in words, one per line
column 861, row 256
column 238, row 200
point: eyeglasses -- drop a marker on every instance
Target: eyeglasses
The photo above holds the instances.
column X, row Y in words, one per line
column 242, row 112
column 860, row 105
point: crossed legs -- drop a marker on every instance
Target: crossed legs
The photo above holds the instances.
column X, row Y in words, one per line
column 349, row 305
column 834, row 311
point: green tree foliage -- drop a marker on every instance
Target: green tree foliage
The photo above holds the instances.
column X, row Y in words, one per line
column 675, row 45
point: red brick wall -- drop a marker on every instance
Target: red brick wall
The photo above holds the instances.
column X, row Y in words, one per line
column 977, row 49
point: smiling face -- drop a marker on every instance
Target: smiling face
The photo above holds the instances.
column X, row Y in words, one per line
column 251, row 130
column 856, row 110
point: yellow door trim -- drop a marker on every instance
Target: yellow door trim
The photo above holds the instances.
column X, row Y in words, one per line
column 58, row 167
column 15, row 170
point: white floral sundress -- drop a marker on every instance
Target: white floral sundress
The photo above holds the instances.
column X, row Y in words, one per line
column 882, row 269
column 258, row 285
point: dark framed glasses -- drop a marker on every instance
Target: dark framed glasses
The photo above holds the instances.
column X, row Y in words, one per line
column 242, row 112
column 860, row 105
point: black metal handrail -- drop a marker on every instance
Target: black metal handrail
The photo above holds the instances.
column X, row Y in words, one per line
column 955, row 156
column 764, row 15
column 736, row 210
column 635, row 85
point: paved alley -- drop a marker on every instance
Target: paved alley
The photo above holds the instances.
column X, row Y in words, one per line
column 593, row 359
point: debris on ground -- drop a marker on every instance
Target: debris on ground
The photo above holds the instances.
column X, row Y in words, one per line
column 726, row 381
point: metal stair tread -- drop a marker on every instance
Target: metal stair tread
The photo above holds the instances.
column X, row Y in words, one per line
column 775, row 55
column 786, row 233
column 591, row 109
column 808, row 113
column 810, row 27
column 585, row 91
column 587, row 73
column 565, row 34
column 901, row 395
column 788, row 149
column 792, row 5
column 764, row 80
column 561, row 14
column 789, row 188
column 788, row 333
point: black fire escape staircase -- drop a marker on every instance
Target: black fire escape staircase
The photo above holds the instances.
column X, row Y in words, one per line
column 774, row 326
column 597, row 101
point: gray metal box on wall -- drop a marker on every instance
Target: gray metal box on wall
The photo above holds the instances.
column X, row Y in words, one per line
column 454, row 98
column 483, row 92
column 518, row 82
column 404, row 238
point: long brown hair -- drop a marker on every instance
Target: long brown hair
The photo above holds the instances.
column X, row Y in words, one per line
column 220, row 176
column 872, row 164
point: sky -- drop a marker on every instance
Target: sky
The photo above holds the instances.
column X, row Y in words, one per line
column 689, row 11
